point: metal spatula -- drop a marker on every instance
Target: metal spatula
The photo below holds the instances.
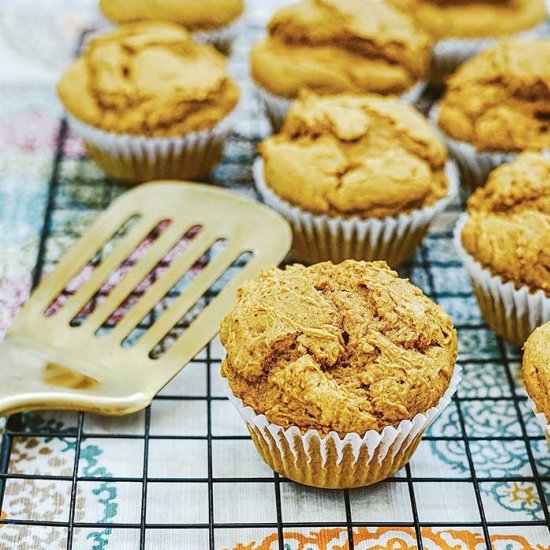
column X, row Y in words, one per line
column 50, row 360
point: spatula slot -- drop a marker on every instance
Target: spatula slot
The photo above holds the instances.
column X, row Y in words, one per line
column 117, row 276
column 199, row 306
column 154, row 275
column 86, row 272
column 174, row 292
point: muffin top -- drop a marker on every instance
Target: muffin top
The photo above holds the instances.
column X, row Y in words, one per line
column 194, row 15
column 333, row 46
column 508, row 229
column 536, row 368
column 347, row 155
column 500, row 99
column 348, row 347
column 148, row 79
column 474, row 18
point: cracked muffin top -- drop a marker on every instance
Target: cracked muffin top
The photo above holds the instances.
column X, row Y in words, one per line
column 194, row 15
column 474, row 18
column 333, row 46
column 500, row 99
column 536, row 368
column 348, row 347
column 347, row 155
column 148, row 79
column 508, row 228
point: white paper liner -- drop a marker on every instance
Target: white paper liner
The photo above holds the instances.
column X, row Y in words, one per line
column 382, row 446
column 322, row 237
column 523, row 310
column 277, row 107
column 142, row 158
column 223, row 37
column 449, row 53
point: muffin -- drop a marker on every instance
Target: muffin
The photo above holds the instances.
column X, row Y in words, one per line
column 496, row 105
column 336, row 46
column 357, row 177
column 213, row 21
column 149, row 102
column 461, row 28
column 536, row 374
column 337, row 370
column 504, row 242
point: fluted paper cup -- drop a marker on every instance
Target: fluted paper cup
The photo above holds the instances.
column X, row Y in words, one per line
column 334, row 462
column 276, row 107
column 141, row 158
column 223, row 37
column 318, row 238
column 512, row 312
column 450, row 53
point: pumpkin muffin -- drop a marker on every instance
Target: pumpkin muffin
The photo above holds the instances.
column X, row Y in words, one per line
column 505, row 242
column 211, row 21
column 149, row 102
column 461, row 28
column 327, row 357
column 335, row 46
column 368, row 172
column 498, row 104
column 536, row 374
column 474, row 18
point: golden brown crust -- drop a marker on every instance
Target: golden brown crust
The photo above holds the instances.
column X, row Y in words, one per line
column 508, row 230
column 148, row 79
column 348, row 155
column 333, row 46
column 500, row 99
column 348, row 347
column 474, row 18
column 536, row 368
column 194, row 15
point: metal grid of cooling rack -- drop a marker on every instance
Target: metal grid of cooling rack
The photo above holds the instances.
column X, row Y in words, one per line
column 483, row 356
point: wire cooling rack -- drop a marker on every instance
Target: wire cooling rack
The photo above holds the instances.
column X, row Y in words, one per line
column 183, row 474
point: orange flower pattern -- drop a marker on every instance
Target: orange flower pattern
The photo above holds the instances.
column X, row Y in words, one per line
column 389, row 538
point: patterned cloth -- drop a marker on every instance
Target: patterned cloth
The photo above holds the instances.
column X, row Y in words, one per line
column 482, row 474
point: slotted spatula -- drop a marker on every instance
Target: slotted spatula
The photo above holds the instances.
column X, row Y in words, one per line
column 47, row 363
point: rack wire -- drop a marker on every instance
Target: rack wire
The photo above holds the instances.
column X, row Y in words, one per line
column 435, row 269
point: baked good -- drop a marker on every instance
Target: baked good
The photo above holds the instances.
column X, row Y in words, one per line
column 508, row 229
column 213, row 21
column 505, row 242
column 333, row 46
column 536, row 368
column 536, row 374
column 337, row 348
column 348, row 157
column 194, row 15
column 497, row 104
column 474, row 18
column 500, row 99
column 149, row 80
column 462, row 28
column 345, row 348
